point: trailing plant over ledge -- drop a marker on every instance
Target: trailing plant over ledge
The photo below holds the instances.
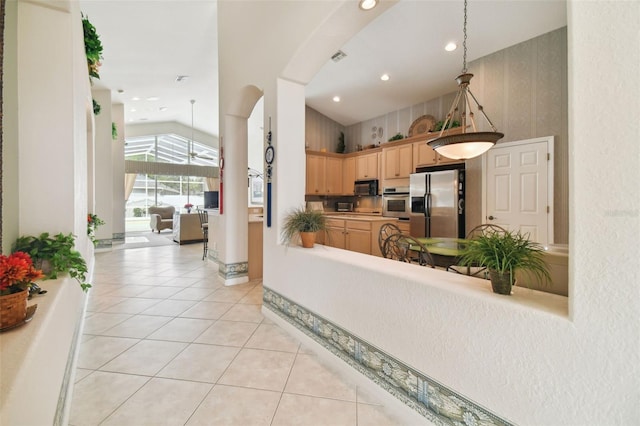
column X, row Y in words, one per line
column 93, row 221
column 55, row 253
column 92, row 47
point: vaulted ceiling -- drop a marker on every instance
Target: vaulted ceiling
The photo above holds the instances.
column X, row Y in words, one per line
column 148, row 44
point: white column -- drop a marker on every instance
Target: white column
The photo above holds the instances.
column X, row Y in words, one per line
column 104, row 173
column 117, row 155
column 231, row 245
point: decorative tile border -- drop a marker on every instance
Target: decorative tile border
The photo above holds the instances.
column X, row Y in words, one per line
column 106, row 243
column 229, row 270
column 439, row 404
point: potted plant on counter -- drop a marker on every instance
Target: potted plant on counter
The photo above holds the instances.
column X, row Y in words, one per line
column 303, row 222
column 502, row 253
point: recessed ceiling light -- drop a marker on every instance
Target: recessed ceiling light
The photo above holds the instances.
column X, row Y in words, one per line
column 132, row 110
column 367, row 4
column 384, row 77
column 153, row 98
column 120, row 90
column 135, row 98
column 163, row 108
column 336, row 99
column 182, row 78
column 450, row 47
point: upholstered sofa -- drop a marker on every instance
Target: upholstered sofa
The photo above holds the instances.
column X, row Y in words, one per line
column 161, row 217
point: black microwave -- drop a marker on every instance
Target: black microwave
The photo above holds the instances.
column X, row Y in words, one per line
column 366, row 187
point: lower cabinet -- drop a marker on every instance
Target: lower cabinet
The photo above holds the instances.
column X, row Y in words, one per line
column 350, row 235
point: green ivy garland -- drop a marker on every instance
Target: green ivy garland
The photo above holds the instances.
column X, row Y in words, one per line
column 92, row 47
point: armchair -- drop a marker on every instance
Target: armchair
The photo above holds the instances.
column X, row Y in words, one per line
column 161, row 217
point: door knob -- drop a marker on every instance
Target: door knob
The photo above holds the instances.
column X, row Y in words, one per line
column 491, row 218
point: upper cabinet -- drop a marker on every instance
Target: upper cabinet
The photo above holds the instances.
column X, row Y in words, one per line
column 367, row 166
column 423, row 155
column 324, row 175
column 348, row 175
column 397, row 161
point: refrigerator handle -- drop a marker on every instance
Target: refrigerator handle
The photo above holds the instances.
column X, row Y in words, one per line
column 427, row 205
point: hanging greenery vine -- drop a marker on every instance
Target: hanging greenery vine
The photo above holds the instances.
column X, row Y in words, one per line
column 92, row 47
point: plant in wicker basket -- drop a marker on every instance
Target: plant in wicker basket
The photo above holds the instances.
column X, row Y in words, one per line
column 504, row 253
column 17, row 275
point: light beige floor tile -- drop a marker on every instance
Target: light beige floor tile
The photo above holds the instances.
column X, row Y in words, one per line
column 159, row 292
column 310, row 377
column 254, row 297
column 180, row 281
column 102, row 321
column 233, row 406
column 146, row 358
column 192, row 293
column 298, row 410
column 101, row 349
column 259, row 369
column 207, row 310
column 160, row 402
column 81, row 373
column 100, row 303
column 366, row 397
column 227, row 333
column 227, row 294
column 247, row 313
column 374, row 415
column 138, row 326
column 132, row 306
column 169, row 308
column 211, row 282
column 181, row 329
column 95, row 397
column 129, row 290
column 274, row 338
column 201, row 363
column 101, row 289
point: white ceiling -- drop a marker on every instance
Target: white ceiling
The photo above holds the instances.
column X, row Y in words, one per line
column 148, row 43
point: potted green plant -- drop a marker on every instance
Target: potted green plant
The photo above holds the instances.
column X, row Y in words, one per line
column 303, row 222
column 55, row 255
column 502, row 253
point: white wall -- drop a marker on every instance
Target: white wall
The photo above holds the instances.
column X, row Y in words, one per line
column 46, row 191
column 527, row 363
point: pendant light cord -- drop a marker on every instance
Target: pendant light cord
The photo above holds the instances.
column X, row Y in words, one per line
column 464, row 41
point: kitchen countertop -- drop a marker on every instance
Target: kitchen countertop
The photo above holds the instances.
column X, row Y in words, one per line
column 359, row 216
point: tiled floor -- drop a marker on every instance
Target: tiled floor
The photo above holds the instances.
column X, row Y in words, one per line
column 165, row 343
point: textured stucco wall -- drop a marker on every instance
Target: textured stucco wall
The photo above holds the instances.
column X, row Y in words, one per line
column 531, row 359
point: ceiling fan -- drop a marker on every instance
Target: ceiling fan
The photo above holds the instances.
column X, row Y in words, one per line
column 201, row 155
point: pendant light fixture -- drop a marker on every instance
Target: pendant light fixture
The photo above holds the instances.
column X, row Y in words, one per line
column 464, row 145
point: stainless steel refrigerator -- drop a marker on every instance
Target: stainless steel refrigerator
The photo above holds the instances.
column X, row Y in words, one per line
column 437, row 202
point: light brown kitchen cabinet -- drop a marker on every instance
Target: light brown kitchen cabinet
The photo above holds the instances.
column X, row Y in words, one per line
column 350, row 235
column 367, row 166
column 423, row 155
column 446, row 160
column 348, row 175
column 324, row 175
column 355, row 234
column 333, row 176
column 397, row 161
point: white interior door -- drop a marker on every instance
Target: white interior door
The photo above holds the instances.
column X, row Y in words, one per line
column 519, row 187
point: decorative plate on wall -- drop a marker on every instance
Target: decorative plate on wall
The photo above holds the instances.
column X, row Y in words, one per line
column 422, row 124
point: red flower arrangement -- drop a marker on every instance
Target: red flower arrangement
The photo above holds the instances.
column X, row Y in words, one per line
column 17, row 273
column 188, row 206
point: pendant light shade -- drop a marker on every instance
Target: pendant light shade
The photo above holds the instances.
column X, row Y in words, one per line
column 471, row 144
